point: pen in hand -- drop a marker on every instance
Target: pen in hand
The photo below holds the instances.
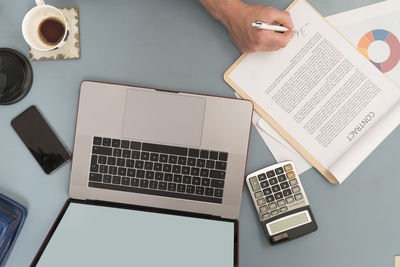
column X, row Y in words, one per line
column 266, row 26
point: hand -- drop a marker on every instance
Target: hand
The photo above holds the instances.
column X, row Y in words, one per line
column 250, row 39
column 238, row 17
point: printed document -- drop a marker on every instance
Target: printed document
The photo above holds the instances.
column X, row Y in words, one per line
column 320, row 90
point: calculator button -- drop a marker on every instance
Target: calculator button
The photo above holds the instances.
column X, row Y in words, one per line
column 283, row 209
column 289, row 200
column 278, row 171
column 254, row 184
column 274, row 212
column 281, row 178
column 267, row 191
column 290, row 175
column 272, row 206
column 264, row 184
column 263, row 209
column 273, row 181
column 258, row 194
column 261, row 202
column 262, row 177
column 276, row 188
column 298, row 196
column 281, row 203
column 296, row 189
column 278, row 195
column 287, row 192
column 270, row 198
column 284, row 185
column 266, row 215
column 270, row 173
column 293, row 182
column 288, row 167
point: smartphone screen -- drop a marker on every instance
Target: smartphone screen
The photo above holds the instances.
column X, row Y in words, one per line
column 40, row 139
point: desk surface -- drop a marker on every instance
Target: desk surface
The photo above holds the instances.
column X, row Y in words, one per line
column 176, row 44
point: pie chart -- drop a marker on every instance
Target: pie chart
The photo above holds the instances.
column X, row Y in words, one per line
column 385, row 36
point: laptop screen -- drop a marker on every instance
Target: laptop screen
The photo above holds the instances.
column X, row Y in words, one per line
column 92, row 235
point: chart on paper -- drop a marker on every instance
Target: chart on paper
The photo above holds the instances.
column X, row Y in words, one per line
column 382, row 48
column 375, row 32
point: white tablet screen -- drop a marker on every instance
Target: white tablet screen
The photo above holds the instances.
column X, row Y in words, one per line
column 91, row 235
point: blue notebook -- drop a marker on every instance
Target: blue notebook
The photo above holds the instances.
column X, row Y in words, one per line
column 12, row 217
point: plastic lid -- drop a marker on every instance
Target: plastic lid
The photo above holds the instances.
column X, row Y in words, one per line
column 12, row 217
column 15, row 76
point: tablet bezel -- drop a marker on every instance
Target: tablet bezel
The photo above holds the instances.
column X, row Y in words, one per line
column 139, row 208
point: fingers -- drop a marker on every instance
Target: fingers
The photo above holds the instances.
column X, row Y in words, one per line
column 267, row 40
column 285, row 20
column 280, row 17
column 281, row 39
column 250, row 39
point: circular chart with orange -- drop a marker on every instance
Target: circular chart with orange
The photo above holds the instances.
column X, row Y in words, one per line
column 390, row 39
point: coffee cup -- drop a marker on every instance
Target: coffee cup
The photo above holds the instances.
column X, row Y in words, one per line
column 44, row 27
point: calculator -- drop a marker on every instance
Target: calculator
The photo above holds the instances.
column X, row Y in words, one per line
column 281, row 203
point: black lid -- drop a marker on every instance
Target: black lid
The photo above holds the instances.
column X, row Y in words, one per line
column 15, row 76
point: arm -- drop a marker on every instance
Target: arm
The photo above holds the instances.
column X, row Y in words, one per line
column 237, row 17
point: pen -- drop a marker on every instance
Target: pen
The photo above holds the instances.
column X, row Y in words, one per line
column 265, row 26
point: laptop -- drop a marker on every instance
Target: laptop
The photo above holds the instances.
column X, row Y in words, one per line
column 162, row 149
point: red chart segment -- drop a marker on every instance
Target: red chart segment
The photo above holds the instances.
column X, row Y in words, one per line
column 390, row 39
column 394, row 57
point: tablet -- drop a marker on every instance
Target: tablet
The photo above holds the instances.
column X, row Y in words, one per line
column 88, row 233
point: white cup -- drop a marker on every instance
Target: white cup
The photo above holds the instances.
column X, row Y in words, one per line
column 32, row 23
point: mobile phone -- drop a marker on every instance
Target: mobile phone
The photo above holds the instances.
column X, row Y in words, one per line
column 40, row 139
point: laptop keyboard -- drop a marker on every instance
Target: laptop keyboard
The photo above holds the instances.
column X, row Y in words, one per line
column 154, row 169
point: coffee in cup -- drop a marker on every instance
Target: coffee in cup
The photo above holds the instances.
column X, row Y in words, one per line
column 44, row 27
column 51, row 30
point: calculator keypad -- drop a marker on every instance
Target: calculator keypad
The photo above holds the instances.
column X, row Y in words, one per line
column 276, row 189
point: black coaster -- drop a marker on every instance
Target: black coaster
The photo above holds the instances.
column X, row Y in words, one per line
column 15, row 76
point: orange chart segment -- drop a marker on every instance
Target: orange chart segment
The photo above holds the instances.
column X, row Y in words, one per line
column 369, row 36
column 364, row 43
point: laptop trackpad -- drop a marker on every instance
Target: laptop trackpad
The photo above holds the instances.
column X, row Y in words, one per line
column 160, row 117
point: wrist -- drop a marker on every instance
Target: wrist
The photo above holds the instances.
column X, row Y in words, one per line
column 232, row 13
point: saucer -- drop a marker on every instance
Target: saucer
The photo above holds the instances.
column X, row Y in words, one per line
column 15, row 76
column 71, row 49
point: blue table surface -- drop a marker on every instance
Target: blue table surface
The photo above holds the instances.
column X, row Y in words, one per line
column 176, row 44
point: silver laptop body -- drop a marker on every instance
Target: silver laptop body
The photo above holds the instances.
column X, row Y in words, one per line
column 160, row 120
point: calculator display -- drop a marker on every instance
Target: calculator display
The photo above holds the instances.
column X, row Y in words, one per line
column 288, row 222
